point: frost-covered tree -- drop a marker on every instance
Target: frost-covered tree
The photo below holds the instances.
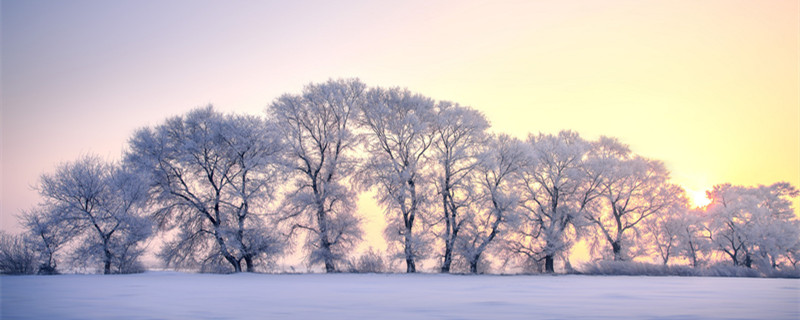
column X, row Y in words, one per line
column 317, row 127
column 665, row 231
column 459, row 135
column 556, row 192
column 754, row 224
column 48, row 234
column 631, row 190
column 496, row 199
column 255, row 151
column 730, row 226
column 17, row 256
column 104, row 205
column 213, row 177
column 692, row 242
column 399, row 136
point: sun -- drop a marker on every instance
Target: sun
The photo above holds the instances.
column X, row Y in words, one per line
column 698, row 198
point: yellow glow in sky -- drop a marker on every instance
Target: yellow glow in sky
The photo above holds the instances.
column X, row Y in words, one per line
column 708, row 87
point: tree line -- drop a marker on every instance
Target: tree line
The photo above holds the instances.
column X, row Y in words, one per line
column 232, row 193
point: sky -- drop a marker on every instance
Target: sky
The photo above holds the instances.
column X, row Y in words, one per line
column 712, row 88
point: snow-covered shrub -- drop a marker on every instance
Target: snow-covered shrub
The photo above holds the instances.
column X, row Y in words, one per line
column 726, row 270
column 369, row 262
column 783, row 273
column 628, row 268
column 624, row 268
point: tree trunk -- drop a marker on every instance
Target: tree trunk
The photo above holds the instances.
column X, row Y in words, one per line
column 322, row 221
column 748, row 262
column 225, row 253
column 617, row 248
column 329, row 267
column 236, row 266
column 448, row 245
column 408, row 218
column 548, row 264
column 410, row 265
column 248, row 261
column 447, row 261
column 107, row 258
column 326, row 248
column 107, row 263
column 473, row 266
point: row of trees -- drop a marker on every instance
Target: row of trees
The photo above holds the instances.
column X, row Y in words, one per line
column 230, row 193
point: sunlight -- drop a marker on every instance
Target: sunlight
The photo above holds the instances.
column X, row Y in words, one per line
column 698, row 198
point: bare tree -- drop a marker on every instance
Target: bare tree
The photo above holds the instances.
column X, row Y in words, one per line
column 459, row 134
column 497, row 172
column 103, row 204
column 398, row 141
column 213, row 177
column 317, row 127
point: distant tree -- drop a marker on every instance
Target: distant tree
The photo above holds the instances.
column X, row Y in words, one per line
column 398, row 140
column 213, row 177
column 17, row 256
column 317, row 127
column 103, row 205
column 48, row 234
column 754, row 224
column 692, row 242
column 631, row 190
column 556, row 192
column 793, row 256
column 459, row 133
column 496, row 199
column 665, row 232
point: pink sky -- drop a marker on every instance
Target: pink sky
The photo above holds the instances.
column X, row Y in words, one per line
column 709, row 87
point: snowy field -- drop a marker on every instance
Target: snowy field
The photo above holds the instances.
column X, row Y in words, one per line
column 170, row 295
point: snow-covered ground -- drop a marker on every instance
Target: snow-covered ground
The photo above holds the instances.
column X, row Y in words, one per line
column 171, row 295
